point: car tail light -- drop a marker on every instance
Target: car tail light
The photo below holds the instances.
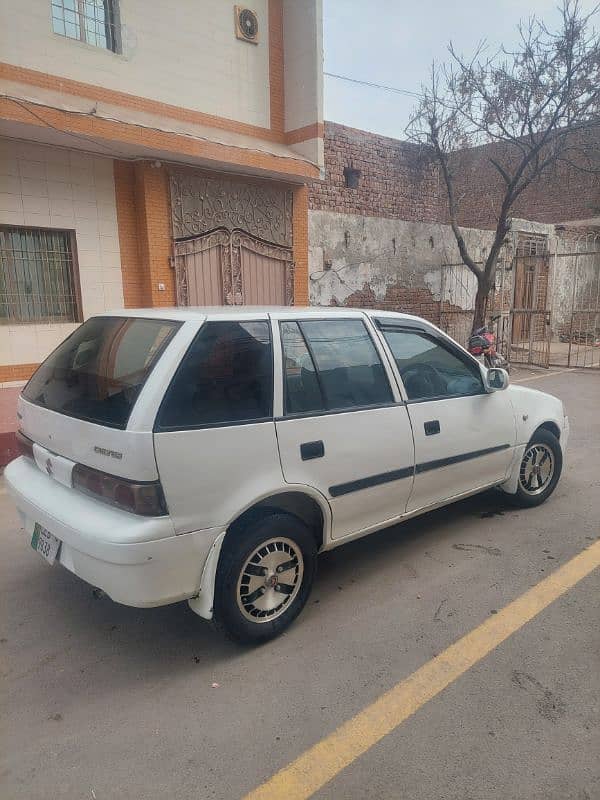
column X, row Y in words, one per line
column 25, row 445
column 146, row 499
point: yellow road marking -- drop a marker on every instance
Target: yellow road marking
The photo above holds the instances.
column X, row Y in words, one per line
column 322, row 762
column 545, row 375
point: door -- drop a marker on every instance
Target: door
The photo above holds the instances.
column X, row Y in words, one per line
column 530, row 335
column 200, row 273
column 343, row 430
column 266, row 271
column 464, row 436
column 220, row 268
column 214, row 438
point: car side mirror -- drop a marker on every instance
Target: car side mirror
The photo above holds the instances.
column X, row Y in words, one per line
column 496, row 379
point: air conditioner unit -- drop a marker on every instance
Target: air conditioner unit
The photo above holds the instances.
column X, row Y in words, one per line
column 246, row 24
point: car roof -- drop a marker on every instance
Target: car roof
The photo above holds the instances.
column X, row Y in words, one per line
column 185, row 313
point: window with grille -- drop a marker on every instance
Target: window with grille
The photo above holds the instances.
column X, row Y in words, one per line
column 38, row 281
column 93, row 21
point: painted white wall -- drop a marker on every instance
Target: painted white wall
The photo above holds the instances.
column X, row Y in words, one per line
column 184, row 53
column 48, row 187
column 303, row 62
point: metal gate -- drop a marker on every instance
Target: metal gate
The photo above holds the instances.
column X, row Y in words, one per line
column 456, row 307
column 547, row 296
column 530, row 313
column 576, row 303
column 223, row 268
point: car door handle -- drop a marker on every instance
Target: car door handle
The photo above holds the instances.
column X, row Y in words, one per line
column 310, row 450
column 432, row 427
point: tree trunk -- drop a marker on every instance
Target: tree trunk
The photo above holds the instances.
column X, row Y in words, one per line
column 481, row 302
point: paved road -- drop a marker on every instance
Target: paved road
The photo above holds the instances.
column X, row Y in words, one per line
column 101, row 701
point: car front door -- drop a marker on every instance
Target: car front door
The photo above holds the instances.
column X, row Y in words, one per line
column 464, row 436
column 344, row 430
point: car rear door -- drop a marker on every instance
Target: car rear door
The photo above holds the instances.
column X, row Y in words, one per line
column 344, row 429
column 464, row 436
column 214, row 436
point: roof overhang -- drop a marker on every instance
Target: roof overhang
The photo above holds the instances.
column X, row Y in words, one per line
column 51, row 118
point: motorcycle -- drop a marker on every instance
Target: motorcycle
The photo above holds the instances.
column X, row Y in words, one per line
column 482, row 345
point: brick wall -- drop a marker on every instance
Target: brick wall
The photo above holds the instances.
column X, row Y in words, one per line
column 16, row 372
column 419, row 301
column 155, row 231
column 135, row 291
column 396, row 179
column 144, row 216
column 300, row 245
column 564, row 193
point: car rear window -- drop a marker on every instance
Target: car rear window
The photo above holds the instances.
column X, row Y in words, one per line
column 225, row 378
column 97, row 373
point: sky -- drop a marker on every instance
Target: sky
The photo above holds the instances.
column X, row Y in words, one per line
column 393, row 42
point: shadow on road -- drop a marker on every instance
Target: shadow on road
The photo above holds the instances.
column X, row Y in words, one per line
column 156, row 643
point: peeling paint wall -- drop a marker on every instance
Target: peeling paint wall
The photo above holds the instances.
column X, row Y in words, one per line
column 350, row 254
column 383, row 242
column 576, row 288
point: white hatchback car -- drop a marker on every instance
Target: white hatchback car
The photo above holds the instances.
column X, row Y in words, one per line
column 209, row 454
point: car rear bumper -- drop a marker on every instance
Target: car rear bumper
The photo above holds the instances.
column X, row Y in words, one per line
column 137, row 561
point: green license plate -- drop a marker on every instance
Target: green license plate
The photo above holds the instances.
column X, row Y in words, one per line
column 45, row 543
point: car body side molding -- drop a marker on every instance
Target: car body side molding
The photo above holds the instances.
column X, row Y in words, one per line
column 372, row 480
column 406, row 472
column 445, row 462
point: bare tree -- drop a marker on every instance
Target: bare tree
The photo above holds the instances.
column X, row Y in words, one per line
column 531, row 105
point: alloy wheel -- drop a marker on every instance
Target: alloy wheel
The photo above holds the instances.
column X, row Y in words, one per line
column 270, row 580
column 537, row 469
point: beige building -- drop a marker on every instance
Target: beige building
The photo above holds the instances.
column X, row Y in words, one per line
column 151, row 155
column 132, row 133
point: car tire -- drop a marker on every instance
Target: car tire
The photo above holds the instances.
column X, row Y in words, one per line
column 539, row 470
column 265, row 574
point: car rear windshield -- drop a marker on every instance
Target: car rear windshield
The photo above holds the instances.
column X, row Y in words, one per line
column 97, row 373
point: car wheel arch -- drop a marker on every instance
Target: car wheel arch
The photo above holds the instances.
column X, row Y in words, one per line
column 549, row 426
column 511, row 483
column 298, row 502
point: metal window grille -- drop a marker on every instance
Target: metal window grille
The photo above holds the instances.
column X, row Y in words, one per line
column 93, row 21
column 532, row 244
column 37, row 276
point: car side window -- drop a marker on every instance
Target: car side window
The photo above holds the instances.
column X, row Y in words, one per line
column 225, row 378
column 430, row 370
column 302, row 390
column 336, row 367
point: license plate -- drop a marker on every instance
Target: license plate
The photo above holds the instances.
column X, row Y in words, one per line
column 45, row 543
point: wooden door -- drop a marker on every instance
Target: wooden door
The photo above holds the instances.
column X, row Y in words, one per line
column 530, row 337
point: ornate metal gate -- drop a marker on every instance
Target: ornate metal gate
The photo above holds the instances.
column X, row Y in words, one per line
column 232, row 241
column 223, row 268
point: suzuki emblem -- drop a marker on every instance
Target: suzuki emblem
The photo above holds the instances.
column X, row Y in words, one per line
column 49, row 469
